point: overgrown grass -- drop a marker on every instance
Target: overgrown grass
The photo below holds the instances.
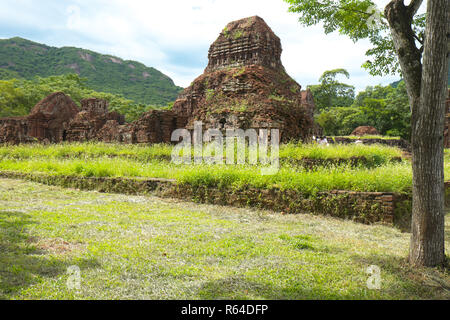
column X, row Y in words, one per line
column 293, row 153
column 118, row 160
column 86, row 150
column 378, row 153
column 388, row 178
column 369, row 137
column 130, row 247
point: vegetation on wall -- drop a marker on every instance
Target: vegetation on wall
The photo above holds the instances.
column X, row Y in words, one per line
column 96, row 160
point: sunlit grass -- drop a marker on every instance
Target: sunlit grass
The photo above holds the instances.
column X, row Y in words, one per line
column 147, row 152
column 388, row 178
column 339, row 151
column 130, row 247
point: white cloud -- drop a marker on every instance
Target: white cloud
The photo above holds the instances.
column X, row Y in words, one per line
column 174, row 36
column 74, row 17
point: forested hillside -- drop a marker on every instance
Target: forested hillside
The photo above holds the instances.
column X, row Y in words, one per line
column 18, row 96
column 20, row 58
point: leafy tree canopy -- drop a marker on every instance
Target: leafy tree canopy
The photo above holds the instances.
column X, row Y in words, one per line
column 332, row 93
column 18, row 96
column 385, row 108
column 358, row 20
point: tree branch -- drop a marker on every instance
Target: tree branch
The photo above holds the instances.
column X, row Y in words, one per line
column 404, row 38
column 414, row 7
column 418, row 39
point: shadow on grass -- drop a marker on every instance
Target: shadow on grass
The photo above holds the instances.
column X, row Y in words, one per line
column 238, row 287
column 398, row 281
column 21, row 264
column 401, row 280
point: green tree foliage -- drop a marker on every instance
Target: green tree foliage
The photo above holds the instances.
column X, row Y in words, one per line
column 385, row 108
column 419, row 46
column 25, row 59
column 350, row 17
column 330, row 92
column 18, row 97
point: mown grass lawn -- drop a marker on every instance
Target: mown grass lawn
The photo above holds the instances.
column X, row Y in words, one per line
column 131, row 247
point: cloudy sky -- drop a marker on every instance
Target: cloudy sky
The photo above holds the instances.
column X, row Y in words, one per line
column 174, row 36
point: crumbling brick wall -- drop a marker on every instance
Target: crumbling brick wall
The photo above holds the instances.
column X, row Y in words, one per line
column 245, row 42
column 14, row 130
column 88, row 123
column 57, row 118
column 49, row 119
column 245, row 86
column 156, row 126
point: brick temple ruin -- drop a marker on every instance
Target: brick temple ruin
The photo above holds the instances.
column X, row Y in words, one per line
column 244, row 86
column 57, row 118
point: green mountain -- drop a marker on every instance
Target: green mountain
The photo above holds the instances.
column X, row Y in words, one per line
column 21, row 58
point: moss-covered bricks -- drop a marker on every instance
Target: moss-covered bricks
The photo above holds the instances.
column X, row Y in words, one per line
column 365, row 207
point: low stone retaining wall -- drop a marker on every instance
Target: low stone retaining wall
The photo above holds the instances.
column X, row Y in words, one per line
column 399, row 143
column 303, row 162
column 365, row 207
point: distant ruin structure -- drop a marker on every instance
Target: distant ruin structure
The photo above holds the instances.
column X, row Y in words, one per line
column 49, row 119
column 244, row 86
column 86, row 125
column 365, row 131
column 14, row 130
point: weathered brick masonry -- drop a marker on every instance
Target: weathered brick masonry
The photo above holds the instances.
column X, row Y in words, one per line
column 57, row 118
column 365, row 207
column 244, row 86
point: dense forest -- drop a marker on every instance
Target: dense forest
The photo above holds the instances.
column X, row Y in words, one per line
column 24, row 59
column 18, row 96
column 339, row 110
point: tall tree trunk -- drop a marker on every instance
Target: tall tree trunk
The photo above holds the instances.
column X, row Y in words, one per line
column 426, row 86
column 428, row 225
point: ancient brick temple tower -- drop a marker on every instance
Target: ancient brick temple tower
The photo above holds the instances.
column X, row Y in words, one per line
column 49, row 119
column 246, row 86
column 243, row 43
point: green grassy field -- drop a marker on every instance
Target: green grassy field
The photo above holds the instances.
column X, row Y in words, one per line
column 388, row 178
column 103, row 160
column 380, row 153
column 130, row 247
